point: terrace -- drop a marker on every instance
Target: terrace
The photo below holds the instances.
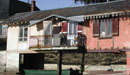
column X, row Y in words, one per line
column 57, row 42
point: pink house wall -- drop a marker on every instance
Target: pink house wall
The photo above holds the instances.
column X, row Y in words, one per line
column 121, row 41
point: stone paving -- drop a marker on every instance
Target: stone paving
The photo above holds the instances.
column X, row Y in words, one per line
column 105, row 73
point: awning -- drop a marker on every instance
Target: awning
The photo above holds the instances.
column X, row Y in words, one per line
column 107, row 15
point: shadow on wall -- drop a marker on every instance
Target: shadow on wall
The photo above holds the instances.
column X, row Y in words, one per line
column 3, row 44
column 31, row 61
column 82, row 41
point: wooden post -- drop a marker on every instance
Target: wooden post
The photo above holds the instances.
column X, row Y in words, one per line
column 82, row 65
column 59, row 65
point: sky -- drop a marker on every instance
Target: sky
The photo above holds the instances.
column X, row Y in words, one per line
column 54, row 4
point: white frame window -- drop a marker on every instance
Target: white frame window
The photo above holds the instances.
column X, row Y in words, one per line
column 72, row 28
column 106, row 28
column 23, row 33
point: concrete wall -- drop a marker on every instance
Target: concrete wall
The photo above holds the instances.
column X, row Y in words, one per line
column 23, row 46
column 13, row 45
column 12, row 62
column 13, row 42
column 39, row 28
column 123, row 40
column 36, row 29
column 12, row 38
column 2, row 61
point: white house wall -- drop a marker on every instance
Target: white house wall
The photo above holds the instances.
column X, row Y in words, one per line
column 12, row 62
column 47, row 27
column 13, row 42
column 3, row 62
column 39, row 29
column 12, row 38
column 36, row 29
column 23, row 46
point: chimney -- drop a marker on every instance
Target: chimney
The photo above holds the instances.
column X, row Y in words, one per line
column 33, row 5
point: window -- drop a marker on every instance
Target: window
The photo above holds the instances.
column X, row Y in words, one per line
column 3, row 31
column 106, row 27
column 0, row 29
column 72, row 28
column 23, row 33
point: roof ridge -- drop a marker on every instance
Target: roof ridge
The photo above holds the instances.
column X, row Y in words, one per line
column 115, row 6
column 75, row 6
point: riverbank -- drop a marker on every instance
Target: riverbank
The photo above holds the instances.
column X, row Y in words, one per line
column 87, row 67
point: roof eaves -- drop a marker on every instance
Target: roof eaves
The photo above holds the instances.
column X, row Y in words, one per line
column 38, row 21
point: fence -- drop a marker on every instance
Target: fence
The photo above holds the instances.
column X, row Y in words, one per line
column 57, row 40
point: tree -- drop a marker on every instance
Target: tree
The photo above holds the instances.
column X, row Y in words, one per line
column 91, row 1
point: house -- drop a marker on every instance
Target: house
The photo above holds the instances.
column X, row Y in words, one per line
column 50, row 33
column 9, row 8
column 102, row 27
column 42, row 34
column 55, row 32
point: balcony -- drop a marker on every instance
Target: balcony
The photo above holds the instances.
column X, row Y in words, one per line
column 56, row 42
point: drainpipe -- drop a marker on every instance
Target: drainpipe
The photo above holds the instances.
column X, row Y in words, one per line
column 32, row 5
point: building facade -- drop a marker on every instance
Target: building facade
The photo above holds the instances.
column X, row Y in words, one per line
column 100, row 27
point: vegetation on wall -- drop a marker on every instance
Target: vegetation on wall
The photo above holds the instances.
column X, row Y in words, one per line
column 90, row 58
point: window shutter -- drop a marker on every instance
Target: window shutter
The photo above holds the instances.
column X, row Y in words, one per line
column 115, row 26
column 86, row 23
column 56, row 30
column 96, row 28
column 64, row 26
column 80, row 28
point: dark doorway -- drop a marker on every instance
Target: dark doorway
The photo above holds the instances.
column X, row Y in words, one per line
column 31, row 61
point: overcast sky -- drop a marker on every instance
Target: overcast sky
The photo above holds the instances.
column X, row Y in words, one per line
column 54, row 4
